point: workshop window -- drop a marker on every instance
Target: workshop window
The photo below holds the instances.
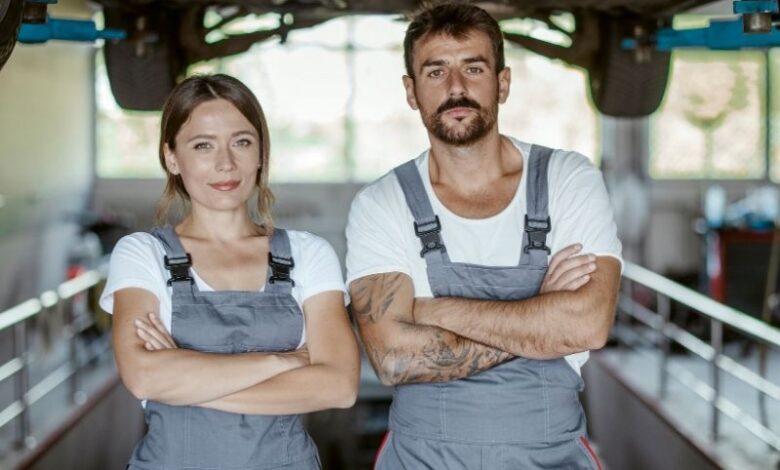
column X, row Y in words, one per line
column 774, row 115
column 712, row 123
column 337, row 110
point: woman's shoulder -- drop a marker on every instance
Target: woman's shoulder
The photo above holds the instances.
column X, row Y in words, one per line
column 301, row 240
column 139, row 244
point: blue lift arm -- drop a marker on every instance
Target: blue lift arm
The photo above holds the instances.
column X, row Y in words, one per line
column 64, row 29
column 755, row 28
column 67, row 30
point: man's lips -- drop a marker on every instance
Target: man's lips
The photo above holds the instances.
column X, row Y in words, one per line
column 225, row 185
column 459, row 111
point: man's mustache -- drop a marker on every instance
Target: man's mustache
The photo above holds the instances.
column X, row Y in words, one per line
column 461, row 102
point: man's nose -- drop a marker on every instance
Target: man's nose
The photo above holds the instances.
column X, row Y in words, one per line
column 456, row 84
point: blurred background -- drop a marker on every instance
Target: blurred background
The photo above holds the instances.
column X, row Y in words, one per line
column 688, row 140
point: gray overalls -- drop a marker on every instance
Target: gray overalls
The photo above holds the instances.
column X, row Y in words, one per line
column 229, row 322
column 521, row 414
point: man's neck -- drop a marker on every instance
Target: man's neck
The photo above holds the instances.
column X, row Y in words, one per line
column 474, row 167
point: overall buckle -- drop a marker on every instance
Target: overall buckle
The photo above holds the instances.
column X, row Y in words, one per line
column 179, row 268
column 428, row 233
column 280, row 268
column 537, row 230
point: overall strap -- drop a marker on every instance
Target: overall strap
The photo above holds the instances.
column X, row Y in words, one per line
column 177, row 261
column 280, row 263
column 537, row 218
column 426, row 223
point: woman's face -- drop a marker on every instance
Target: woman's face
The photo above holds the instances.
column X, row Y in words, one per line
column 217, row 156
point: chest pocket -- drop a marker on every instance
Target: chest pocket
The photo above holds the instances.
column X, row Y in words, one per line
column 235, row 322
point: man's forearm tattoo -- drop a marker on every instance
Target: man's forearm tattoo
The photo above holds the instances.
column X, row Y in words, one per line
column 371, row 299
column 428, row 354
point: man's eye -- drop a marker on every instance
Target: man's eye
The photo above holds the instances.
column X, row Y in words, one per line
column 436, row 73
column 475, row 70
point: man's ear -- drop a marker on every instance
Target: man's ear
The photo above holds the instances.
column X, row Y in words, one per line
column 409, row 87
column 170, row 160
column 504, row 80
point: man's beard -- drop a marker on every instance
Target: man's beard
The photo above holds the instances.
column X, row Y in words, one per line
column 480, row 124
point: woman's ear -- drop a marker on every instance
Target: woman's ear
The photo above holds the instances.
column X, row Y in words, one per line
column 170, row 160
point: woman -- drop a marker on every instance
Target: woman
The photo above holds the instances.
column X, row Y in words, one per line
column 227, row 328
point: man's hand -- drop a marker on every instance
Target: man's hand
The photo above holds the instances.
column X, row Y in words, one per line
column 568, row 271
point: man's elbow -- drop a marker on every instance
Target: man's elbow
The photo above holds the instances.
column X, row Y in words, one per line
column 598, row 334
column 388, row 377
column 598, row 339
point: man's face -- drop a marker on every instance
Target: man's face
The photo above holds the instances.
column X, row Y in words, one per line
column 456, row 88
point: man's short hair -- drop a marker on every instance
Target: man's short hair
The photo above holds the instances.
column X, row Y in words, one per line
column 457, row 20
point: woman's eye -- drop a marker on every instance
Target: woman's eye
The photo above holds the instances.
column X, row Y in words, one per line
column 243, row 142
column 202, row 146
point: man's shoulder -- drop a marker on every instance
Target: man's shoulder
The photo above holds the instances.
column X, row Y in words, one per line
column 385, row 189
column 565, row 164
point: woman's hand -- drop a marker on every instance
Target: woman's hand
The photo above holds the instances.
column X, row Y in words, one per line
column 568, row 271
column 153, row 333
column 156, row 338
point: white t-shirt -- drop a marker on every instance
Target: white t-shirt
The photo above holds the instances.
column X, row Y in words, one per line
column 137, row 261
column 380, row 235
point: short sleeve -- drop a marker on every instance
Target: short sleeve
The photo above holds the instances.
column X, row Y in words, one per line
column 375, row 243
column 581, row 207
column 133, row 263
column 321, row 267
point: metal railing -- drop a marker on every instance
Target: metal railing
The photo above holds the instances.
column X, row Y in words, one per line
column 68, row 302
column 664, row 333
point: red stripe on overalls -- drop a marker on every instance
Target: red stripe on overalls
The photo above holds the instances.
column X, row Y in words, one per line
column 590, row 451
column 381, row 448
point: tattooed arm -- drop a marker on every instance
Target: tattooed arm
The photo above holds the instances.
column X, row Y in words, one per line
column 403, row 352
column 546, row 326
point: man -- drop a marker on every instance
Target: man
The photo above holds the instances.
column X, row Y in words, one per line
column 448, row 270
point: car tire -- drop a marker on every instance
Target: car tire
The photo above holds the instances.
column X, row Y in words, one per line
column 619, row 85
column 143, row 82
column 10, row 21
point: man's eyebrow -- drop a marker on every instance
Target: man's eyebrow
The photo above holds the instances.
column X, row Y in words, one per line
column 433, row 63
column 440, row 62
column 475, row 59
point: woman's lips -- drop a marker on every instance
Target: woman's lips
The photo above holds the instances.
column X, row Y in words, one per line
column 225, row 185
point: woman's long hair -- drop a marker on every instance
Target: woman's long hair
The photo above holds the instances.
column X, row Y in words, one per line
column 184, row 98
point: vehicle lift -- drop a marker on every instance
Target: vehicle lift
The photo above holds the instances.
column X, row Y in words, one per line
column 756, row 27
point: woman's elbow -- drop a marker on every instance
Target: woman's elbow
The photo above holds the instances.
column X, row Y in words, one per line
column 344, row 390
column 136, row 385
